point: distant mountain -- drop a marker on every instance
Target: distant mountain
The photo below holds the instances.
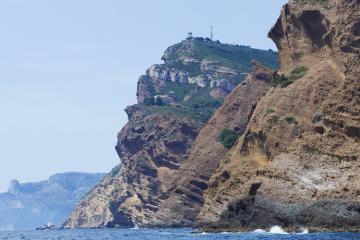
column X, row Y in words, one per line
column 29, row 205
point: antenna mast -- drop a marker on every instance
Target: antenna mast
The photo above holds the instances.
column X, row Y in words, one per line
column 211, row 32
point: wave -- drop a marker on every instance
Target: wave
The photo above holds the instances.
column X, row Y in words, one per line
column 136, row 227
column 304, row 231
column 259, row 231
column 279, row 230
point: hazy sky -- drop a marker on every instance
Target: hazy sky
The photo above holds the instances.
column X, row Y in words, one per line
column 68, row 68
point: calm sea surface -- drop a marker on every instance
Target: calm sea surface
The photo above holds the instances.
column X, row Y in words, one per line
column 163, row 234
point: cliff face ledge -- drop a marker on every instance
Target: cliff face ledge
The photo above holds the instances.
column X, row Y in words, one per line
column 297, row 163
column 175, row 100
column 192, row 178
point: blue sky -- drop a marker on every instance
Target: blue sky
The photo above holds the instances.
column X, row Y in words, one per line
column 68, row 68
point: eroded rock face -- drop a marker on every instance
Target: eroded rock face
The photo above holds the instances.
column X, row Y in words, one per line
column 202, row 64
column 297, row 163
column 151, row 147
column 175, row 100
column 192, row 178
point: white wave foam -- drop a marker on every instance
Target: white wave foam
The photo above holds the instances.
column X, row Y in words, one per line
column 259, row 231
column 304, row 231
column 277, row 230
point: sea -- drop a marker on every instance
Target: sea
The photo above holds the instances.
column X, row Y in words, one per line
column 166, row 234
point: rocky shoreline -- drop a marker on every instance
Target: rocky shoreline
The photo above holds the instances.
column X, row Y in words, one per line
column 285, row 229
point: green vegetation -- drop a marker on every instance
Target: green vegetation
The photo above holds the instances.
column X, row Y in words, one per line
column 115, row 171
column 281, row 80
column 269, row 110
column 228, row 137
column 180, row 90
column 324, row 3
column 201, row 115
column 318, row 117
column 234, row 56
column 154, row 101
column 297, row 73
column 205, row 103
column 227, row 158
column 159, row 101
column 284, row 81
column 200, row 98
column 326, row 35
column 200, row 106
column 291, row 120
column 149, row 101
column 328, row 38
column 237, row 79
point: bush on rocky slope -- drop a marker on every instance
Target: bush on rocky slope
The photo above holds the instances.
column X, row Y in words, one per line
column 228, row 137
column 284, row 81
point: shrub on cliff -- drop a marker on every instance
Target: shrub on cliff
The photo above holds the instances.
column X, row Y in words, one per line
column 159, row 101
column 205, row 103
column 297, row 73
column 269, row 110
column 149, row 101
column 115, row 171
column 324, row 3
column 281, row 80
column 228, row 137
column 284, row 81
column 291, row 120
column 318, row 117
column 154, row 101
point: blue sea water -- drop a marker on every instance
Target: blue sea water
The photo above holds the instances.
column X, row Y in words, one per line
column 162, row 234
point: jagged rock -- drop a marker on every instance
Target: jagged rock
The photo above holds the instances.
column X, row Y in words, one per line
column 192, row 178
column 300, row 143
column 46, row 227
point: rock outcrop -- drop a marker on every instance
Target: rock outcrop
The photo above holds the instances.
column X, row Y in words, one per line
column 191, row 179
column 175, row 101
column 297, row 163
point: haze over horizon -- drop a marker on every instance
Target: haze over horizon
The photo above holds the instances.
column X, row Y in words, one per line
column 70, row 68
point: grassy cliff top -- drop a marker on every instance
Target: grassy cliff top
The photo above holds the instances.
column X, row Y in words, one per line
column 234, row 56
column 216, row 67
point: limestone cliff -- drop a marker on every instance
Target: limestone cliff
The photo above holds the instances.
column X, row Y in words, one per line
column 297, row 163
column 175, row 100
